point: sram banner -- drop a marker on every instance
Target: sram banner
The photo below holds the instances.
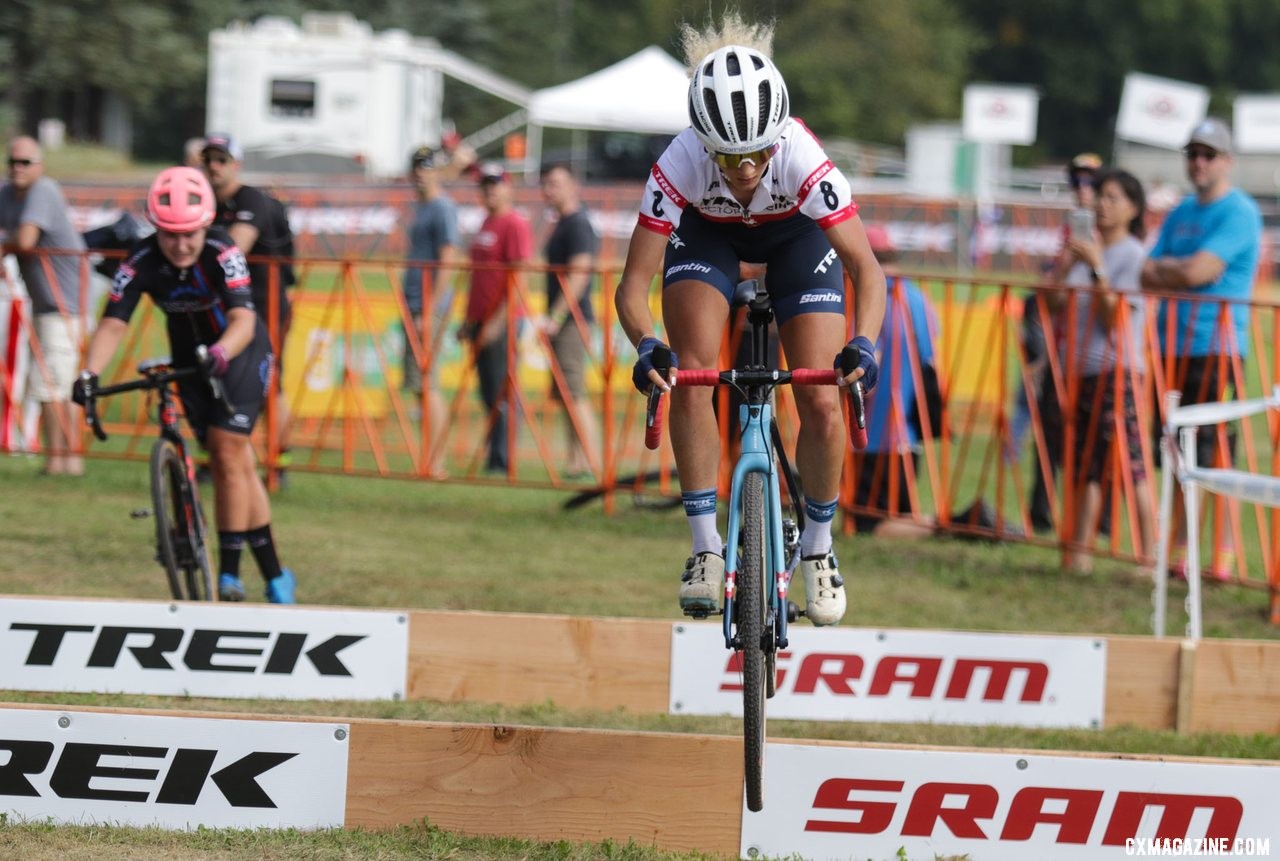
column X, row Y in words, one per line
column 838, row 802
column 202, row 650
column 175, row 772
column 908, row 676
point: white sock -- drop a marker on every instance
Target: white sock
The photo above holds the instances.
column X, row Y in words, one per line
column 700, row 510
column 816, row 538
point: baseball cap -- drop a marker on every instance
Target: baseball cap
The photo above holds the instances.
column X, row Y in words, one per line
column 1084, row 163
column 226, row 143
column 423, row 156
column 1213, row 133
column 492, row 172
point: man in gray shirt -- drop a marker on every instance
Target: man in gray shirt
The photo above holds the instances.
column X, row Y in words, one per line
column 35, row 228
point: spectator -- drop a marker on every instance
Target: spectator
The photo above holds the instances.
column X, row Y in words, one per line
column 1208, row 247
column 570, row 251
column 259, row 226
column 200, row 281
column 433, row 242
column 193, row 153
column 34, row 219
column 1082, row 172
column 905, row 342
column 1108, row 342
column 504, row 242
column 897, row 426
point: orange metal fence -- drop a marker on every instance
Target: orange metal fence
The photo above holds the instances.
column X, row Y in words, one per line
column 352, row 333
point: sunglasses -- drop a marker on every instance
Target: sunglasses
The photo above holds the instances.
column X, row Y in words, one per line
column 22, row 162
column 1206, row 154
column 215, row 159
column 732, row 160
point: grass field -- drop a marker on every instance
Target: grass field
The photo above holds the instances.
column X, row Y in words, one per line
column 390, row 543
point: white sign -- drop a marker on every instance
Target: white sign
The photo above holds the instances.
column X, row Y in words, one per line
column 851, row 674
column 834, row 802
column 1256, row 121
column 202, row 650
column 174, row 772
column 1159, row 111
column 997, row 114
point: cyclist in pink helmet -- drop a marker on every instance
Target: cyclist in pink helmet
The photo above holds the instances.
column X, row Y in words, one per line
column 200, row 280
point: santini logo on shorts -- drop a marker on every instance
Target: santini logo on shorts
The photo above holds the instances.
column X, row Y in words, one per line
column 821, row 297
column 689, row 267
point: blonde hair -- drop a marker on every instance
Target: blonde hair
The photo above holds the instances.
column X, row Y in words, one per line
column 731, row 30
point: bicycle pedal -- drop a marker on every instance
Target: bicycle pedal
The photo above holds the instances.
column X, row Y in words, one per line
column 140, row 513
column 702, row 614
column 793, row 611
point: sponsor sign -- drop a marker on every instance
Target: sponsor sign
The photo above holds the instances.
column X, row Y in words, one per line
column 838, row 802
column 174, row 772
column 998, row 114
column 1257, row 123
column 202, row 650
column 1159, row 111
column 850, row 674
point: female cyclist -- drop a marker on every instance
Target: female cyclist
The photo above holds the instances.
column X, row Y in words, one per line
column 749, row 183
column 201, row 281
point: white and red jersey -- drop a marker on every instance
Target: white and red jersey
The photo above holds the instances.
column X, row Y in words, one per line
column 800, row 178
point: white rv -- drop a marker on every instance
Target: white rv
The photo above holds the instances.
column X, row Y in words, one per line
column 332, row 95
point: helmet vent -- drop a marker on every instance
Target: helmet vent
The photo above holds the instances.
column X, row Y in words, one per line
column 757, row 62
column 164, row 199
column 732, row 65
column 766, row 99
column 740, row 116
column 713, row 113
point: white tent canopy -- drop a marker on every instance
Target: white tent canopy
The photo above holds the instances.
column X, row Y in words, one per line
column 647, row 92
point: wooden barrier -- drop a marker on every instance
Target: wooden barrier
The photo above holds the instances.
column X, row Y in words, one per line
column 576, row 662
column 670, row 791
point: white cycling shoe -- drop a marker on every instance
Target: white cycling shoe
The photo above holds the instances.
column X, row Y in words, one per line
column 702, row 583
column 823, row 589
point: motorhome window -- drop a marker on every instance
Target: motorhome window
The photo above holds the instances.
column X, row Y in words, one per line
column 293, row 98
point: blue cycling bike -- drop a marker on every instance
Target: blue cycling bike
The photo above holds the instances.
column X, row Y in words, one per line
column 764, row 534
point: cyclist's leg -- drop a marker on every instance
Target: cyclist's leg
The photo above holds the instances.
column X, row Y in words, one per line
column 808, row 293
column 699, row 276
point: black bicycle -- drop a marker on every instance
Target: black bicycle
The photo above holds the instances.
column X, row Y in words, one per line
column 182, row 547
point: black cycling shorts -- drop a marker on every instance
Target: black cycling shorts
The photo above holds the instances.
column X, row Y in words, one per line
column 804, row 274
column 245, row 384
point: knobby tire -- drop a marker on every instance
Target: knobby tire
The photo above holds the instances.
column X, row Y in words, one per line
column 752, row 610
column 180, row 536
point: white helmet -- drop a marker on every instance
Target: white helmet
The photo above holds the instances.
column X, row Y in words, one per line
column 737, row 101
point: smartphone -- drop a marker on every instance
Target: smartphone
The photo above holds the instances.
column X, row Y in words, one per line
column 1081, row 224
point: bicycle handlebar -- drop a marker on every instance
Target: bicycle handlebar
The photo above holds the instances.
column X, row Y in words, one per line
column 153, row 380
column 797, row 377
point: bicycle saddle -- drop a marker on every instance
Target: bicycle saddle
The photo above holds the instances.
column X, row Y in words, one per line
column 159, row 363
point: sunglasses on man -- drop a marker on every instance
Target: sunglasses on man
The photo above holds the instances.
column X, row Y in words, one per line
column 1193, row 153
column 215, row 158
column 22, row 162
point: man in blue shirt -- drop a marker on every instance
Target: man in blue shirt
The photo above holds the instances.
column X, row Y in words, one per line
column 1208, row 248
column 433, row 248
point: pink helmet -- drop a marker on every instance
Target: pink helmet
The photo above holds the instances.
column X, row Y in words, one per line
column 180, row 200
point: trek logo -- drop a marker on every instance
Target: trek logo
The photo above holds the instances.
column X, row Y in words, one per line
column 825, row 263
column 918, row 676
column 675, row 240
column 969, row 810
column 203, row 651
column 821, row 297
column 78, row 771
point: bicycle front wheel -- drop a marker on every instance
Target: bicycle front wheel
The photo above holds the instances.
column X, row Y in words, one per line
column 752, row 611
column 180, row 534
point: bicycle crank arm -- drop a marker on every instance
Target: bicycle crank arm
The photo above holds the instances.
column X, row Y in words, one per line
column 702, row 614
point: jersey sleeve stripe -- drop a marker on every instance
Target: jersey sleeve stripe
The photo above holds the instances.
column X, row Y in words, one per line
column 657, row 225
column 668, row 188
column 838, row 216
column 807, row 186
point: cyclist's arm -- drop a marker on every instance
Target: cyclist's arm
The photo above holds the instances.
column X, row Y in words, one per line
column 849, row 240
column 644, row 257
column 106, row 339
column 241, row 326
